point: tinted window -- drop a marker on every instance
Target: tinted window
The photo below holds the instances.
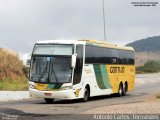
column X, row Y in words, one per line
column 108, row 55
column 126, row 57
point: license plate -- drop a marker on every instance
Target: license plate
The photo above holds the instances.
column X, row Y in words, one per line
column 47, row 94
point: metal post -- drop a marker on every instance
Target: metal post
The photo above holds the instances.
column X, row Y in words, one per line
column 104, row 23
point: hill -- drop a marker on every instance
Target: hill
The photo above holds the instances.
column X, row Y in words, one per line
column 12, row 71
column 150, row 44
column 146, row 50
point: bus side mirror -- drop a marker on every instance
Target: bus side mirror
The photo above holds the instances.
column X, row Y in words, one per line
column 73, row 62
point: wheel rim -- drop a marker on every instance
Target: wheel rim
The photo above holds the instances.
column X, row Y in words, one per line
column 120, row 90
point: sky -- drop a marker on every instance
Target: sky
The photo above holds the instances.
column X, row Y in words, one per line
column 23, row 22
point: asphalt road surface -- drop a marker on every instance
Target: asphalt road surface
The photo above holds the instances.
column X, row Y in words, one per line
column 36, row 109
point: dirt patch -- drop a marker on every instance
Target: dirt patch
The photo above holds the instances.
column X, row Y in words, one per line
column 143, row 57
column 150, row 106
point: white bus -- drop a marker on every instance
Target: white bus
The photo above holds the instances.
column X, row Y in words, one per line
column 80, row 69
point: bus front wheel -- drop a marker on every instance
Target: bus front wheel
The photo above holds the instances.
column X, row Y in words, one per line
column 49, row 100
column 86, row 94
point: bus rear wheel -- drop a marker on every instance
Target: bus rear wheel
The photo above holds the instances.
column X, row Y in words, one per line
column 124, row 89
column 49, row 100
column 86, row 94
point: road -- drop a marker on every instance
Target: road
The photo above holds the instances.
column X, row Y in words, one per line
column 147, row 86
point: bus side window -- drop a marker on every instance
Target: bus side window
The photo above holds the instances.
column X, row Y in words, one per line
column 114, row 60
column 114, row 56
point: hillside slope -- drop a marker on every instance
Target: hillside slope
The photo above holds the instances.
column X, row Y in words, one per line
column 150, row 44
column 146, row 50
column 12, row 71
column 10, row 65
column 143, row 57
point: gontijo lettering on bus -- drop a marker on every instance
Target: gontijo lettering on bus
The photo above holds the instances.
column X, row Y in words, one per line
column 117, row 69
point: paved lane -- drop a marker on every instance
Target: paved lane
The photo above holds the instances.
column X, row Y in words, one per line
column 146, row 87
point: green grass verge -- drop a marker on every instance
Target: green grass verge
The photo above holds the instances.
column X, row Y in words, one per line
column 21, row 84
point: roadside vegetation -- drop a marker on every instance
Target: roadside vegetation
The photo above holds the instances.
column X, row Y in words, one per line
column 149, row 67
column 158, row 96
column 13, row 75
column 20, row 84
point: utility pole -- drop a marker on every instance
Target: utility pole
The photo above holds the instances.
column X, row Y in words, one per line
column 104, row 23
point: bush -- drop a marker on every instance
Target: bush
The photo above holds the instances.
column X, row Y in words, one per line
column 10, row 65
column 158, row 96
column 13, row 75
column 149, row 67
column 25, row 71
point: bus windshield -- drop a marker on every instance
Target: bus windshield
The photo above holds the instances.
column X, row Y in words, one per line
column 53, row 50
column 50, row 65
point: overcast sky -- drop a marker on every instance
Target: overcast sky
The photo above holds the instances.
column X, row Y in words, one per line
column 23, row 22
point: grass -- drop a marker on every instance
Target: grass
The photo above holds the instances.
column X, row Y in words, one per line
column 21, row 84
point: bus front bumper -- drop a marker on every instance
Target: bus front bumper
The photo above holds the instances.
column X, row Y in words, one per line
column 62, row 94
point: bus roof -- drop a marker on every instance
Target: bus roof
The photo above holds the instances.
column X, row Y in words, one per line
column 87, row 42
column 106, row 44
column 60, row 42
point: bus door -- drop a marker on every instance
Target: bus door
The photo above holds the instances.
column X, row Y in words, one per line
column 79, row 65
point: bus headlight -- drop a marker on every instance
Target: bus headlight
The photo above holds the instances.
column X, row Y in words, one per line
column 66, row 87
column 32, row 86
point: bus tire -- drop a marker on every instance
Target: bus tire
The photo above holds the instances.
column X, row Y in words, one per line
column 124, row 89
column 86, row 94
column 49, row 100
column 120, row 90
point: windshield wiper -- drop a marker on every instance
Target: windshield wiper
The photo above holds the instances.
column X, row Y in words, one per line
column 52, row 70
column 43, row 73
